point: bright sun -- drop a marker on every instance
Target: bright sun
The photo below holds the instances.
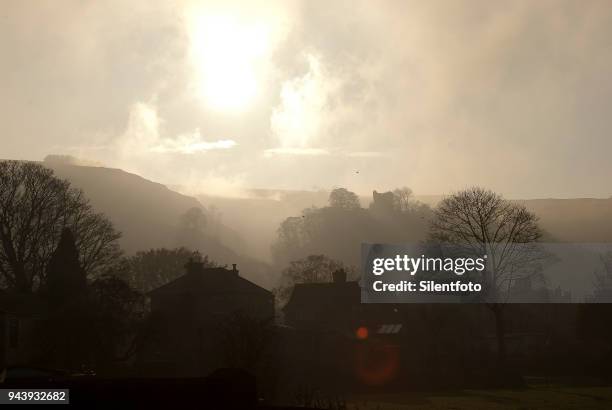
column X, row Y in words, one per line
column 228, row 55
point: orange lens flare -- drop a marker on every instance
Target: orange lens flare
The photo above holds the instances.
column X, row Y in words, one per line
column 376, row 364
column 362, row 333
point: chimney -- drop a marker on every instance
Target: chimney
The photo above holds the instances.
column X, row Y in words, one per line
column 234, row 270
column 193, row 266
column 339, row 276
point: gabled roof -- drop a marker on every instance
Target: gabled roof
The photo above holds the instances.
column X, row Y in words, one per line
column 210, row 281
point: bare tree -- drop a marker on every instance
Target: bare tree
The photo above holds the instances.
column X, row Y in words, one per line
column 35, row 207
column 290, row 240
column 403, row 199
column 147, row 270
column 312, row 269
column 602, row 287
column 480, row 222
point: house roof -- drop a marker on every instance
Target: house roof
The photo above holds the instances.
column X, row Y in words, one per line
column 324, row 296
column 212, row 281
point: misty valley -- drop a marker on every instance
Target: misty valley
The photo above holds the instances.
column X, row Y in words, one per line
column 138, row 281
column 306, row 204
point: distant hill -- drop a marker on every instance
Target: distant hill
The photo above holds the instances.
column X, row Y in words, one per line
column 257, row 217
column 147, row 214
column 566, row 220
column 574, row 220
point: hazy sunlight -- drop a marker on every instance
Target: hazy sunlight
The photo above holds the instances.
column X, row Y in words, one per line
column 227, row 54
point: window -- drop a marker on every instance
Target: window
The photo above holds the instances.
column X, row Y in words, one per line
column 389, row 329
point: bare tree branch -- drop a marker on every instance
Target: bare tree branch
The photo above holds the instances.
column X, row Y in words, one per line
column 35, row 207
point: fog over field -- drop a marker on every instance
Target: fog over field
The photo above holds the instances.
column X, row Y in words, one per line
column 148, row 212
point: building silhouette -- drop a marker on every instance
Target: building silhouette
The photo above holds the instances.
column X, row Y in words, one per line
column 331, row 305
column 188, row 314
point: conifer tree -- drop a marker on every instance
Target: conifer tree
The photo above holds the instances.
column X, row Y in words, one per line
column 65, row 277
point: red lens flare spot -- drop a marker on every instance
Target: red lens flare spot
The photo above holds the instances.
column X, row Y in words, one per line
column 362, row 333
column 376, row 363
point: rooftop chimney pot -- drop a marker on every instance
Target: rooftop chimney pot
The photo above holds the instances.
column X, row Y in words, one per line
column 339, row 276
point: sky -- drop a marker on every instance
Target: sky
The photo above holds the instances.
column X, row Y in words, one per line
column 219, row 97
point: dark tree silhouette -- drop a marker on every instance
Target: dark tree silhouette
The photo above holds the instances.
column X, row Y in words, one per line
column 339, row 231
column 147, row 270
column 94, row 329
column 116, row 311
column 65, row 332
column 593, row 315
column 480, row 222
column 291, row 239
column 66, row 279
column 36, row 207
column 602, row 286
column 312, row 269
column 343, row 198
column 191, row 228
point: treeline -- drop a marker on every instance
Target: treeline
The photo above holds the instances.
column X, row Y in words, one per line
column 79, row 300
column 338, row 229
column 478, row 221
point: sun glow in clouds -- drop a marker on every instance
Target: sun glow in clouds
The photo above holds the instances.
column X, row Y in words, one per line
column 142, row 136
column 229, row 56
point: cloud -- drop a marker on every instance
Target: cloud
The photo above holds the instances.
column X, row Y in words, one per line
column 142, row 131
column 298, row 120
column 191, row 144
column 142, row 136
column 510, row 95
column 367, row 154
column 296, row 151
column 323, row 152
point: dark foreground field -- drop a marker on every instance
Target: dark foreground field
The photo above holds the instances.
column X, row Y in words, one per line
column 533, row 397
column 236, row 389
